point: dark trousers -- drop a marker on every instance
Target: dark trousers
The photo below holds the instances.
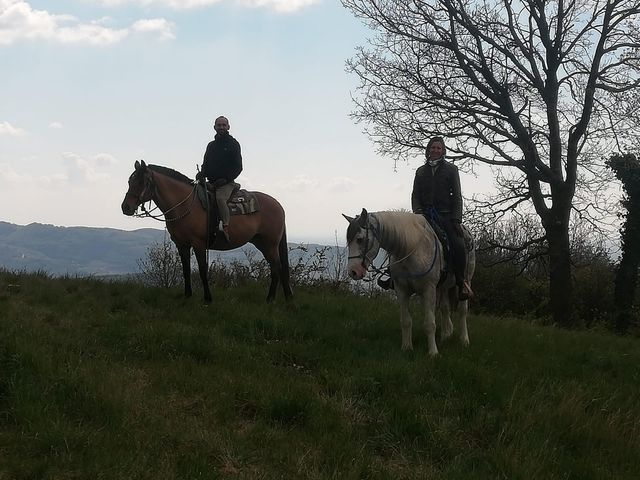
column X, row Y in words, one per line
column 456, row 247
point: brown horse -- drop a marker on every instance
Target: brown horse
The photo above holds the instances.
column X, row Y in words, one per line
column 186, row 220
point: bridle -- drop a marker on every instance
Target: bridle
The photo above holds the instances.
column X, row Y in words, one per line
column 138, row 198
column 367, row 249
column 150, row 184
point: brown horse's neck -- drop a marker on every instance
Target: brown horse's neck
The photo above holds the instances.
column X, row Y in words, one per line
column 171, row 192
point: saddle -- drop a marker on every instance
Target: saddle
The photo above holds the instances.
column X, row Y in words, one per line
column 241, row 202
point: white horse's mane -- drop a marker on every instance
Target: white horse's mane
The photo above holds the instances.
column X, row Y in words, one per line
column 402, row 231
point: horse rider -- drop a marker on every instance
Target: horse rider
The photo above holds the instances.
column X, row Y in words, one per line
column 221, row 166
column 437, row 195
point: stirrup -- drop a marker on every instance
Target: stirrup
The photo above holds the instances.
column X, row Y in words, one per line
column 224, row 229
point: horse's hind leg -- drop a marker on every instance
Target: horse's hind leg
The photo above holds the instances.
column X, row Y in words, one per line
column 405, row 319
column 270, row 253
column 461, row 316
column 185, row 260
column 283, row 254
column 274, row 267
column 203, row 269
column 429, row 304
column 444, row 314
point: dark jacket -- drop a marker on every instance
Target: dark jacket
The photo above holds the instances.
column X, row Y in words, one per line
column 440, row 189
column 222, row 159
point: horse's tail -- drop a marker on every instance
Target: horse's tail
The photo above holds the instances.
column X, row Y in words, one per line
column 283, row 251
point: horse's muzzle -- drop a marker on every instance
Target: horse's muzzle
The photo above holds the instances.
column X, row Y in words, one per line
column 127, row 209
column 357, row 272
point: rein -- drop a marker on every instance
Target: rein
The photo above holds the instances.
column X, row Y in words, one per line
column 421, row 274
column 163, row 218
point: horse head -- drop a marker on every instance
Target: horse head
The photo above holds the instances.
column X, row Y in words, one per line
column 140, row 188
column 363, row 243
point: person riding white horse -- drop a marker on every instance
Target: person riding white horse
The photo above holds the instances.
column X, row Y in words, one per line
column 416, row 264
column 437, row 195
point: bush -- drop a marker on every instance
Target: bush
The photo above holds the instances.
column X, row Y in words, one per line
column 161, row 266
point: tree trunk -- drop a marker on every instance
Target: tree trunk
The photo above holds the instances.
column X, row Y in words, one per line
column 560, row 281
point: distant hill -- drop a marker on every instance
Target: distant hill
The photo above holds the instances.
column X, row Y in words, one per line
column 73, row 250
column 94, row 251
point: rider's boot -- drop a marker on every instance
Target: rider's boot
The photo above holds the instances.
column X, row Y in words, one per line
column 386, row 284
column 464, row 290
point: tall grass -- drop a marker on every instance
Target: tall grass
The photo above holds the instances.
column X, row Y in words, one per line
column 115, row 380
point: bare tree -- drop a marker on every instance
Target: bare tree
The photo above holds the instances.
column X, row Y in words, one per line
column 537, row 89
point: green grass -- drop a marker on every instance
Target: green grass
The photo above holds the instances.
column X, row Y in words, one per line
column 118, row 381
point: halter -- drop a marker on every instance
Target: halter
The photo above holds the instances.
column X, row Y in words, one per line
column 365, row 252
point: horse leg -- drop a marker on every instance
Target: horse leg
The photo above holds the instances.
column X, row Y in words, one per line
column 274, row 267
column 185, row 260
column 203, row 269
column 429, row 304
column 283, row 254
column 461, row 317
column 444, row 314
column 270, row 253
column 405, row 318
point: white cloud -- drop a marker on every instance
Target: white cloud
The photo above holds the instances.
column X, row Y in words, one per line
column 299, row 183
column 175, row 4
column 160, row 26
column 341, row 184
column 55, row 125
column 90, row 169
column 19, row 21
column 10, row 177
column 93, row 34
column 7, row 129
column 283, row 6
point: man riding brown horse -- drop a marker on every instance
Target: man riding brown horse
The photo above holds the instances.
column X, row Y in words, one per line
column 221, row 166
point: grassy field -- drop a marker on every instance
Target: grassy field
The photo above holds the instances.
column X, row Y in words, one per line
column 116, row 381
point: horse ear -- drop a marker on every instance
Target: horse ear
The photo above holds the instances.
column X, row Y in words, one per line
column 137, row 165
column 143, row 164
column 349, row 219
column 363, row 217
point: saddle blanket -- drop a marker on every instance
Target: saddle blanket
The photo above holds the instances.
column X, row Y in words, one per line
column 240, row 203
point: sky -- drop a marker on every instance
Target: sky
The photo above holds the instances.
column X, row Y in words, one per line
column 90, row 86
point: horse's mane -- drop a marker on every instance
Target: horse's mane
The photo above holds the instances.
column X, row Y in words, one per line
column 404, row 229
column 170, row 172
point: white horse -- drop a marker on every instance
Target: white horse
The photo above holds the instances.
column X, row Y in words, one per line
column 416, row 265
